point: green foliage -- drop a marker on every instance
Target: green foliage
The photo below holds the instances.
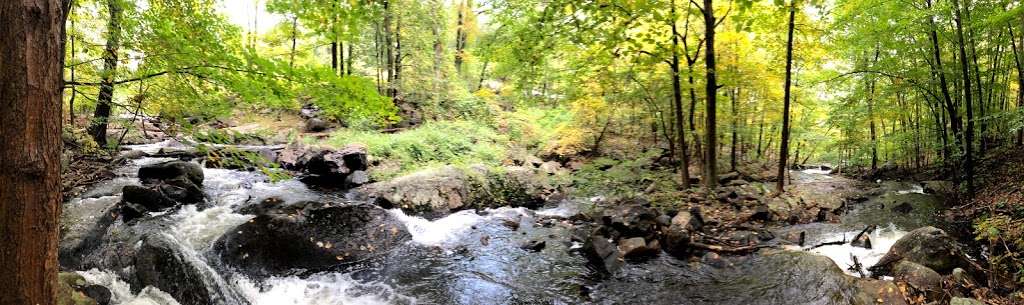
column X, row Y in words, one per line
column 620, row 178
column 1006, row 233
column 433, row 144
column 350, row 99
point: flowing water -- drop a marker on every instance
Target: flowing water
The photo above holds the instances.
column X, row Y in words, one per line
column 474, row 257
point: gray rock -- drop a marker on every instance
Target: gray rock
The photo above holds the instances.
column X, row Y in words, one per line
column 920, row 277
column 927, row 246
column 311, row 237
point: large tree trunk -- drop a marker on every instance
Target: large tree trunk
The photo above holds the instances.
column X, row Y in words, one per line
column 968, row 102
column 31, row 81
column 677, row 102
column 784, row 144
column 711, row 156
column 101, row 117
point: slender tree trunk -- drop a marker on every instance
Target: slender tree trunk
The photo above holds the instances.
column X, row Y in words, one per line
column 74, row 91
column 784, row 144
column 871, row 117
column 1020, row 79
column 461, row 36
column 951, row 108
column 677, row 102
column 31, row 81
column 101, row 117
column 711, row 157
column 968, row 106
column 295, row 39
column 735, row 127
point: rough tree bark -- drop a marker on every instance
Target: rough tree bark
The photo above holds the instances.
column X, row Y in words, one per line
column 101, row 116
column 31, row 81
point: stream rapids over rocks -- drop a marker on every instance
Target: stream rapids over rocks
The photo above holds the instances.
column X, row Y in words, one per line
column 466, row 257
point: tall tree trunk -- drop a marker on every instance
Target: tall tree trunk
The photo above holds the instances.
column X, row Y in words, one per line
column 461, row 36
column 871, row 117
column 735, row 127
column 711, row 157
column 295, row 39
column 968, row 102
column 1020, row 79
column 951, row 109
column 677, row 102
column 101, row 117
column 784, row 144
column 31, row 81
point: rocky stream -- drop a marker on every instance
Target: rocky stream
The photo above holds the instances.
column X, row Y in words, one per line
column 237, row 238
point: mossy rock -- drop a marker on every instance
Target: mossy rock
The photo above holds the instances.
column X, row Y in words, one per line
column 68, row 285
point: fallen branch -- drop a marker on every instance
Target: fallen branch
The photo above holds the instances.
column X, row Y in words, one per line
column 730, row 250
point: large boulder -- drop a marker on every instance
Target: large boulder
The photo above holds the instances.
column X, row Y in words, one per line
column 161, row 263
column 71, row 290
column 632, row 219
column 301, row 239
column 164, row 186
column 444, row 190
column 326, row 167
column 928, row 246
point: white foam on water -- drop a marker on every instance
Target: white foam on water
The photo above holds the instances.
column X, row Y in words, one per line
column 320, row 289
column 199, row 229
column 914, row 189
column 446, row 231
column 440, row 232
column 231, row 187
column 566, row 209
column 881, row 240
column 817, row 171
column 121, row 293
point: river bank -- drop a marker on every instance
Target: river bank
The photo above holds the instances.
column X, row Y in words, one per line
column 515, row 238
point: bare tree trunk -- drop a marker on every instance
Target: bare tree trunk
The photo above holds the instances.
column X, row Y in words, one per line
column 711, row 157
column 735, row 127
column 295, row 34
column 784, row 144
column 677, row 102
column 871, row 117
column 1020, row 80
column 968, row 102
column 101, row 117
column 461, row 36
column 31, row 81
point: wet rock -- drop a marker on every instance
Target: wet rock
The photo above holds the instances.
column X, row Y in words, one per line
column 357, row 178
column 309, row 111
column 961, row 277
column 920, row 277
column 534, row 245
column 637, row 248
column 326, row 167
column 633, row 219
column 602, row 254
column 965, row 301
column 678, row 235
column 172, row 170
column 714, row 260
column 927, row 246
column 448, row 189
column 863, row 239
column 798, row 238
column 164, row 186
column 100, row 294
column 511, row 224
column 160, row 262
column 69, row 290
column 903, row 208
column 332, row 237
